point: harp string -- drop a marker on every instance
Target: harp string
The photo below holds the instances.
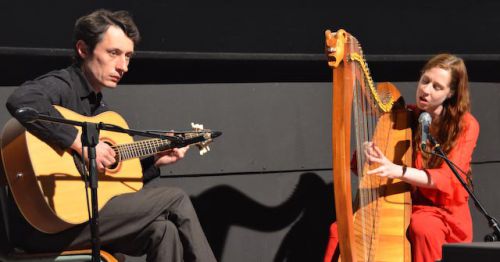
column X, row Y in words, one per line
column 366, row 113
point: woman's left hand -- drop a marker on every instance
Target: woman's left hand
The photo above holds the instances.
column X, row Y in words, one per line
column 386, row 168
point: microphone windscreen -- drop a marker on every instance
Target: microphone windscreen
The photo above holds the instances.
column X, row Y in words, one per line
column 215, row 134
column 425, row 118
column 26, row 114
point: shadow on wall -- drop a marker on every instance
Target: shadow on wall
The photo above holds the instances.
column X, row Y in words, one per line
column 222, row 207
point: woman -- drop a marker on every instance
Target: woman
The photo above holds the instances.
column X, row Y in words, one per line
column 440, row 204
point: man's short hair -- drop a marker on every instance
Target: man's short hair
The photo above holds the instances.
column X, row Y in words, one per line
column 91, row 28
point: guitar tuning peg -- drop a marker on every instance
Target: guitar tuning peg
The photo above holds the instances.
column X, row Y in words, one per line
column 197, row 126
column 204, row 150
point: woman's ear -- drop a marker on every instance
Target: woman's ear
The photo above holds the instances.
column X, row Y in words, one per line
column 450, row 95
column 81, row 49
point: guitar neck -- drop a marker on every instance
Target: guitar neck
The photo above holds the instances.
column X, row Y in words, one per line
column 142, row 148
column 148, row 147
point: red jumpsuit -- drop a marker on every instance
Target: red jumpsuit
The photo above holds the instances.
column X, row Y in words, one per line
column 439, row 215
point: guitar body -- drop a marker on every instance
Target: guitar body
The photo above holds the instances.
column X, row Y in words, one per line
column 46, row 183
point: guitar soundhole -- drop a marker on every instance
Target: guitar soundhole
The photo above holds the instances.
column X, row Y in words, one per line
column 79, row 165
column 113, row 166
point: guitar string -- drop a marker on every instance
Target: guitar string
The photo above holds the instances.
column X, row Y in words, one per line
column 144, row 147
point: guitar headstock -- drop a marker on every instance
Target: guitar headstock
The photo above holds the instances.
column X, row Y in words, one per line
column 202, row 146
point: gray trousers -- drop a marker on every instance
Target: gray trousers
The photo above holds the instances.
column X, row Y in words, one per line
column 158, row 221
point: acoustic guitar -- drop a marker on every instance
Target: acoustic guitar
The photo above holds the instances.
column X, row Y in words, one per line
column 48, row 183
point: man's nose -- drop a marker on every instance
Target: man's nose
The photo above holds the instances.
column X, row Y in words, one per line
column 122, row 64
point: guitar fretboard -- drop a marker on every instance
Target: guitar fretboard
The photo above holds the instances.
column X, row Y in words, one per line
column 141, row 148
column 148, row 147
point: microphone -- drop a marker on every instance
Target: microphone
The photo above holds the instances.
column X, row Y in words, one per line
column 202, row 138
column 26, row 114
column 214, row 134
column 425, row 120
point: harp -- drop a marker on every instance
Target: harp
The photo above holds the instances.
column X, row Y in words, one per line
column 373, row 227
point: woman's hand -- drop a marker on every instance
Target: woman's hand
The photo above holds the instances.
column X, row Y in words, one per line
column 386, row 168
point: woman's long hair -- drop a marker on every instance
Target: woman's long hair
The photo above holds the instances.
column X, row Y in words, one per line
column 447, row 127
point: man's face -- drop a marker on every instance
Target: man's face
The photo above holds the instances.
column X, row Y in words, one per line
column 107, row 64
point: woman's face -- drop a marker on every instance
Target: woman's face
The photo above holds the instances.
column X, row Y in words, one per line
column 433, row 89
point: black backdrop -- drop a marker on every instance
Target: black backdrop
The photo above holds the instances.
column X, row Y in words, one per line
column 256, row 41
column 279, row 26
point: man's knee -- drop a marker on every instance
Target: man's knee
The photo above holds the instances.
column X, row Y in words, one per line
column 171, row 196
column 178, row 193
column 161, row 229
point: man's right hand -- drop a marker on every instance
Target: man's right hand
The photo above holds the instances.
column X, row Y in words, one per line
column 105, row 155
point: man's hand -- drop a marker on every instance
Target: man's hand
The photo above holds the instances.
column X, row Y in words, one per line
column 105, row 155
column 170, row 156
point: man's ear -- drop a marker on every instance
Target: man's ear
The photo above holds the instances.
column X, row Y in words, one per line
column 82, row 49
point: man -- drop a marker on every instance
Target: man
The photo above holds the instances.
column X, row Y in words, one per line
column 160, row 222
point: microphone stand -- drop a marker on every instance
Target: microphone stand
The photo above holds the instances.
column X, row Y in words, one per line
column 492, row 222
column 90, row 139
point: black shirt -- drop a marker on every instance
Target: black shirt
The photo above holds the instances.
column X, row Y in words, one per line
column 70, row 89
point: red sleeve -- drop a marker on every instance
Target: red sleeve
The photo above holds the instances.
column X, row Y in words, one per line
column 461, row 155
